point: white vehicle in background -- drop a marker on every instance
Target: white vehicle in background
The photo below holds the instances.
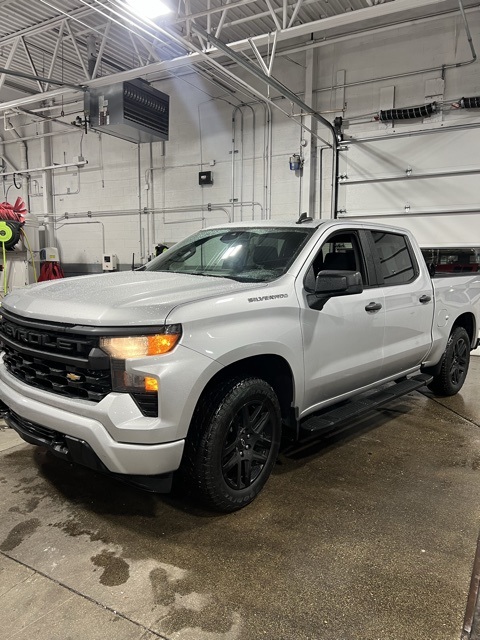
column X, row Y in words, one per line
column 239, row 335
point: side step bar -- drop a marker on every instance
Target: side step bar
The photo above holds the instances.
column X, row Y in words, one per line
column 329, row 420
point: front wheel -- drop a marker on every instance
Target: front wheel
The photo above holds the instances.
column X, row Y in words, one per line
column 233, row 443
column 455, row 363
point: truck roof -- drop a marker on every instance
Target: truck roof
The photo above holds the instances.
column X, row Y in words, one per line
column 270, row 223
column 311, row 224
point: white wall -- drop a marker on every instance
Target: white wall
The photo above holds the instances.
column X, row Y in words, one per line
column 201, row 138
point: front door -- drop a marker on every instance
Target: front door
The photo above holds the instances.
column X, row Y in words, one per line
column 343, row 341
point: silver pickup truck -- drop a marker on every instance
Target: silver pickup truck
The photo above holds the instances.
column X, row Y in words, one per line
column 235, row 337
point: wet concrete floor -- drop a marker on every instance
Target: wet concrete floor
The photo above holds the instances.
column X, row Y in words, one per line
column 367, row 536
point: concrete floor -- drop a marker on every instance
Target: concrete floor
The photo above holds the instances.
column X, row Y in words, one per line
column 368, row 537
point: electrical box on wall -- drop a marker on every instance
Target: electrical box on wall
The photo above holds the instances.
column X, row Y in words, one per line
column 205, row 177
column 133, row 111
column 110, row 262
column 49, row 254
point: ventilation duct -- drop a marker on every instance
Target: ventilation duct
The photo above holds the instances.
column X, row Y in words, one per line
column 409, row 113
column 133, row 111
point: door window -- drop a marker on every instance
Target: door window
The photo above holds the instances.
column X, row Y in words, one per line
column 340, row 253
column 397, row 263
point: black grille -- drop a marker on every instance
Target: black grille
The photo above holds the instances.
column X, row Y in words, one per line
column 63, row 379
column 50, row 357
column 146, row 106
column 43, row 435
column 55, row 358
column 147, row 403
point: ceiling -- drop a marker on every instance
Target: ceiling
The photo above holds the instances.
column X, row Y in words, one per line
column 82, row 42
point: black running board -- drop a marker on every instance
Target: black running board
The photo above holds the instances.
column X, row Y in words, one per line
column 331, row 419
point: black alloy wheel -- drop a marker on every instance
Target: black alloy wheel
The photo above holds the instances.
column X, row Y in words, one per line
column 455, row 362
column 233, row 443
column 248, row 444
column 459, row 364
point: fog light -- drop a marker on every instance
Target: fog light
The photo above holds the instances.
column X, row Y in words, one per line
column 151, row 384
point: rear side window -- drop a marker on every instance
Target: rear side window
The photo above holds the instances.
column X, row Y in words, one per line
column 396, row 260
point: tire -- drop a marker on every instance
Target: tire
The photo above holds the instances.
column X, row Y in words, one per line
column 233, row 443
column 455, row 363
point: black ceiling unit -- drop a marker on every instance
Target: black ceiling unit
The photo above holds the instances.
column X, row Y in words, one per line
column 133, row 111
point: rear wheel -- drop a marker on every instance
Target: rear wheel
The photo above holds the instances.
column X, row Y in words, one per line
column 455, row 363
column 233, row 443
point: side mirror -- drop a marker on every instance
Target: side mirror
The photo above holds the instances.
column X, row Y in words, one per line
column 338, row 283
column 331, row 284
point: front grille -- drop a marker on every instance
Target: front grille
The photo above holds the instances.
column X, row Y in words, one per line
column 63, row 379
column 60, row 359
column 53, row 358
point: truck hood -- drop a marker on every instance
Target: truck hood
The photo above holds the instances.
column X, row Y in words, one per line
column 117, row 299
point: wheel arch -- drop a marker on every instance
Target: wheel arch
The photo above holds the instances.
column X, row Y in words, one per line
column 272, row 368
column 468, row 322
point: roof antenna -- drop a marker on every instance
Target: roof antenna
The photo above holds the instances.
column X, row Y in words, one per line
column 304, row 218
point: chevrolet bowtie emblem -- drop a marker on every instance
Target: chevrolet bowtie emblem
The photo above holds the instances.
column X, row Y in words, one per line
column 73, row 377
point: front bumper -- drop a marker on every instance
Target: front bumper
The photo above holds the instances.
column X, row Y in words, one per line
column 80, row 452
column 85, row 421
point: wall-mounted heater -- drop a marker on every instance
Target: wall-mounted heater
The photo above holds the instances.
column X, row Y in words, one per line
column 133, row 111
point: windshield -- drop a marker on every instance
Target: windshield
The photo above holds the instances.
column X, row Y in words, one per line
column 247, row 255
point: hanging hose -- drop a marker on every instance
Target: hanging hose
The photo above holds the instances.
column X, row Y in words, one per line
column 5, row 287
column 25, row 237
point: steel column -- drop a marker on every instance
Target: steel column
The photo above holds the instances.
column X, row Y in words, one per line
column 307, row 189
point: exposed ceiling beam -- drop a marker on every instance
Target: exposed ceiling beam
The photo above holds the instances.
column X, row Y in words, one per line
column 9, row 61
column 77, row 50
column 211, row 11
column 361, row 19
column 46, row 25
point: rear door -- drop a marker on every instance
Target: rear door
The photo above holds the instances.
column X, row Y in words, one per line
column 408, row 299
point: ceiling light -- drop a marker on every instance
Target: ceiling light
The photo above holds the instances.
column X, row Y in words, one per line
column 149, row 8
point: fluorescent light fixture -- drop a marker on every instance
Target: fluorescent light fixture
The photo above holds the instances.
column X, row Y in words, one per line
column 149, row 8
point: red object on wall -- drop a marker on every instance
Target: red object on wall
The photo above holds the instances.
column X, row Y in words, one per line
column 15, row 212
column 50, row 271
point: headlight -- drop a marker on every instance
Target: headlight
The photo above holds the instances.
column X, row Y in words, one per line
column 122, row 348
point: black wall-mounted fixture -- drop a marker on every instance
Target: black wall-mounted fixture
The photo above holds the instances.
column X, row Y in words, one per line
column 133, row 111
column 205, row 177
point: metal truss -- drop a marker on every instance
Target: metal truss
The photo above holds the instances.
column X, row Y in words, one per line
column 56, row 47
column 81, row 43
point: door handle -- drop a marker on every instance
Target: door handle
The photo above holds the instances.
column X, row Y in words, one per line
column 425, row 299
column 373, row 306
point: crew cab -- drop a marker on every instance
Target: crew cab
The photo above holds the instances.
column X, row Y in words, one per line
column 203, row 359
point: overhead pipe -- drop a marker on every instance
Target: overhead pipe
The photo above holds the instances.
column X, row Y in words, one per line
column 24, row 152
column 209, row 207
column 467, row 31
column 287, row 93
column 411, row 176
column 189, row 60
column 51, row 167
column 28, row 76
column 412, row 134
column 43, row 135
column 66, row 224
column 5, row 158
column 396, row 76
column 402, row 214
column 187, row 44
